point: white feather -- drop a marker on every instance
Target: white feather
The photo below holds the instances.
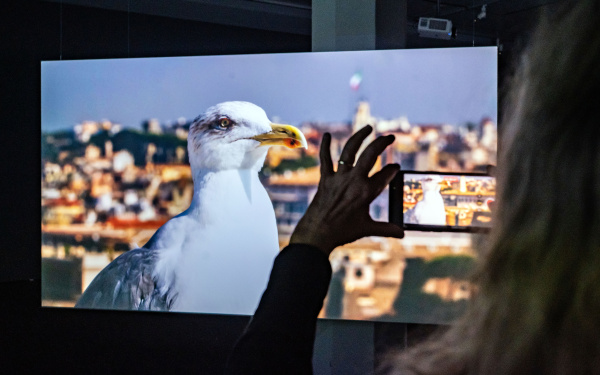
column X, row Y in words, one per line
column 218, row 253
column 430, row 211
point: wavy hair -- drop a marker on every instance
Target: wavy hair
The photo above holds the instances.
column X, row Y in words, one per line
column 537, row 305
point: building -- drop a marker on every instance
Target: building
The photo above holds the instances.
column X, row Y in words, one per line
column 291, row 193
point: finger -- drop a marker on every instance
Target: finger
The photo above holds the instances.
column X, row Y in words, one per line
column 325, row 155
column 352, row 146
column 369, row 156
column 383, row 229
column 381, row 179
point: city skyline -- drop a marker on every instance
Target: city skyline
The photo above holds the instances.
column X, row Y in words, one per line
column 102, row 197
column 428, row 86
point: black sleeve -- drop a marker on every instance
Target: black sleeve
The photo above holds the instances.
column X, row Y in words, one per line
column 280, row 337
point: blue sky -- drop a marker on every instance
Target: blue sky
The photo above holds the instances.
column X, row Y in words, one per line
column 451, row 85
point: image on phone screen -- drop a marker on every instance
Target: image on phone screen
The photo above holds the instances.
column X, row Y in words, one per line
column 445, row 201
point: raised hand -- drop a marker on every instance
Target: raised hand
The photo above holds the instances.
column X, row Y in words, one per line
column 339, row 212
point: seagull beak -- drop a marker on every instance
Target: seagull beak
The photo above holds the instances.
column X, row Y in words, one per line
column 282, row 135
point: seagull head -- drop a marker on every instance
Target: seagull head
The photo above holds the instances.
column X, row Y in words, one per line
column 233, row 135
column 432, row 183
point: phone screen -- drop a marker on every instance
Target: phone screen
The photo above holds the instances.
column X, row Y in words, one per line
column 434, row 201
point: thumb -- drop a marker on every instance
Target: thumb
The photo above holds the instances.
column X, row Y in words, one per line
column 383, row 229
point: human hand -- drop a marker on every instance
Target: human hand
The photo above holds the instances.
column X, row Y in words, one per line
column 339, row 212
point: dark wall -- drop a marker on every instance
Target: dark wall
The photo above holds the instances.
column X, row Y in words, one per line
column 36, row 340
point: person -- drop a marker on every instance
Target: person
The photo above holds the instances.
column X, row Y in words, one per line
column 280, row 336
column 536, row 301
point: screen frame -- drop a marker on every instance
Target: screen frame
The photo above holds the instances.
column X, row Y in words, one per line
column 396, row 204
column 367, row 319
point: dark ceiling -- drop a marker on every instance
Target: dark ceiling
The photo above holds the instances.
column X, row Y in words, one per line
column 501, row 22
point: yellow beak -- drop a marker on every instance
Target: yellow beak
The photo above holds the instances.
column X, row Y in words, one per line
column 282, row 135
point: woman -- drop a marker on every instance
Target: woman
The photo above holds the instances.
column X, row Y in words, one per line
column 537, row 308
column 537, row 303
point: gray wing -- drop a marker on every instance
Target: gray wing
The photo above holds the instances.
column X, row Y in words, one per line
column 127, row 283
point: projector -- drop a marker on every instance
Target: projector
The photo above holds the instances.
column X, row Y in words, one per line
column 435, row 28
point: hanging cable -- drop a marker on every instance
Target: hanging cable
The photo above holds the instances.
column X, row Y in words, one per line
column 60, row 37
column 128, row 11
column 474, row 20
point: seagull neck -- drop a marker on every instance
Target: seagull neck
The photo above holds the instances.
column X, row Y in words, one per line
column 431, row 192
column 203, row 177
column 224, row 186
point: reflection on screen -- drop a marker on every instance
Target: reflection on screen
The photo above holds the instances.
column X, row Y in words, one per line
column 448, row 200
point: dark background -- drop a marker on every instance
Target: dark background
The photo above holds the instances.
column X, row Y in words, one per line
column 35, row 339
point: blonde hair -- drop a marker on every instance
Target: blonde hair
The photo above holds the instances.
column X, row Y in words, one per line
column 537, row 307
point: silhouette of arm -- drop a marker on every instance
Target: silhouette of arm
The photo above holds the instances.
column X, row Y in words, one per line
column 280, row 336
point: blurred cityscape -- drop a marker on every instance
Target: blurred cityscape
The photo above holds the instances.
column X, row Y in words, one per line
column 107, row 189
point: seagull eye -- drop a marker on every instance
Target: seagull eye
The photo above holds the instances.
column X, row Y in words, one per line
column 224, row 122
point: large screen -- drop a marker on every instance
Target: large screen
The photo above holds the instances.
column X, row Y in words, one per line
column 128, row 224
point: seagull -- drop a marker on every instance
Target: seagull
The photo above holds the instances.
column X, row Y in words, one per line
column 216, row 256
column 430, row 210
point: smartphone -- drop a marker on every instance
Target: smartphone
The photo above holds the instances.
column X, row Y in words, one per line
column 442, row 201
